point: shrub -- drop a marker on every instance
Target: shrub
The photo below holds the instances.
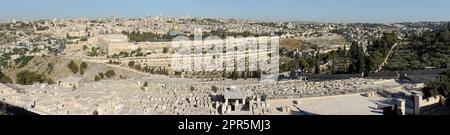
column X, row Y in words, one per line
column 85, row 47
column 145, row 84
column 4, row 78
column 83, row 65
column 214, row 89
column 165, row 50
column 110, row 73
column 192, row 88
column 101, row 75
column 97, row 78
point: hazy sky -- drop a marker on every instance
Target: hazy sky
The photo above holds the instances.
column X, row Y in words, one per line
column 273, row 10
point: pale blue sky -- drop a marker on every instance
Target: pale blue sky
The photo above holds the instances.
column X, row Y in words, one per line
column 273, row 10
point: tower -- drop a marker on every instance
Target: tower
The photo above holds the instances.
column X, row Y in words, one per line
column 114, row 18
column 448, row 25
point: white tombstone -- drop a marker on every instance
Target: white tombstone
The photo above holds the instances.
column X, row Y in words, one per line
column 401, row 104
column 229, row 109
column 417, row 100
column 223, row 109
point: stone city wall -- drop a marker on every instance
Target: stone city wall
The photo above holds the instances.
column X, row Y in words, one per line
column 430, row 101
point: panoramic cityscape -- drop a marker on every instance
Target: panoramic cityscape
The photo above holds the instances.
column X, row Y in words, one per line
column 215, row 58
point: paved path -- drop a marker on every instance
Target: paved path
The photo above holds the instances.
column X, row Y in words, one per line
column 103, row 62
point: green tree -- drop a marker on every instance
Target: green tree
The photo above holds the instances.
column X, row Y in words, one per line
column 83, row 67
column 26, row 77
column 73, row 66
column 374, row 60
column 304, row 63
column 235, row 75
column 353, row 54
column 390, row 39
column 317, row 68
column 131, row 64
column 361, row 64
column 85, row 47
column 332, row 56
column 439, row 86
column 318, row 63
